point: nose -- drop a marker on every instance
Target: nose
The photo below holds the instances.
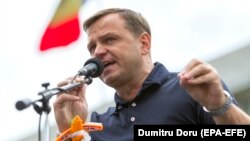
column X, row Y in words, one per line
column 100, row 51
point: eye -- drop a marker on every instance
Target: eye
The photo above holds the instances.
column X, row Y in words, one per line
column 110, row 40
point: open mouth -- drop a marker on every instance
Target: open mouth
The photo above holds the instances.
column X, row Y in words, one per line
column 106, row 64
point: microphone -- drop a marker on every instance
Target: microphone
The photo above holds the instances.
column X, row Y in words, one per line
column 93, row 67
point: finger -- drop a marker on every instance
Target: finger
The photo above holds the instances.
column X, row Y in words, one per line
column 81, row 91
column 65, row 82
column 62, row 83
column 76, row 78
column 198, row 70
column 65, row 98
column 202, row 73
column 78, row 91
column 190, row 65
column 202, row 79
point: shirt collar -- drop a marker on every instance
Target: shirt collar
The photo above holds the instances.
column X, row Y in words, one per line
column 157, row 77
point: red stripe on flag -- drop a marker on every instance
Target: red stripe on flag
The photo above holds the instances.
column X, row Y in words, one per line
column 63, row 28
column 61, row 35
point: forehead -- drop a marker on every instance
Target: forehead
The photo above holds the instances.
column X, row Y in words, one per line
column 107, row 23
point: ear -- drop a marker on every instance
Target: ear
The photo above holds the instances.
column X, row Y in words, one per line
column 145, row 40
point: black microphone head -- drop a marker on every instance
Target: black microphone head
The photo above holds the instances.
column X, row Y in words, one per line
column 22, row 104
column 98, row 64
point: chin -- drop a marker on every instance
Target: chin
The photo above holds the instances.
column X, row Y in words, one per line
column 109, row 80
column 106, row 80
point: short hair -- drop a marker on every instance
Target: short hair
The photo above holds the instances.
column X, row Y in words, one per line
column 134, row 21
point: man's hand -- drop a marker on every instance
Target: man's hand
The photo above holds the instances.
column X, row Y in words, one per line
column 202, row 82
column 68, row 105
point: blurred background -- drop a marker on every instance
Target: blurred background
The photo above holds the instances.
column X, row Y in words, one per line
column 216, row 31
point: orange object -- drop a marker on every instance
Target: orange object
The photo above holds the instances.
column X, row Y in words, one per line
column 76, row 129
column 76, row 126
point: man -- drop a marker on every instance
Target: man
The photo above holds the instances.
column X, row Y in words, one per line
column 146, row 92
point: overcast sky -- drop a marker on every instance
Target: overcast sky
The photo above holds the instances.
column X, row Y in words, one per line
column 181, row 30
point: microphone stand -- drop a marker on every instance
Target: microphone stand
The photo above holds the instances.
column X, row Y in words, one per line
column 44, row 97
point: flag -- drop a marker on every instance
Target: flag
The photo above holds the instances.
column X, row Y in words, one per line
column 64, row 28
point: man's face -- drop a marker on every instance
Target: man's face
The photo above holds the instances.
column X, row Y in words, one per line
column 117, row 47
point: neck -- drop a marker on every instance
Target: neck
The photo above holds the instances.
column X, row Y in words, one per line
column 128, row 92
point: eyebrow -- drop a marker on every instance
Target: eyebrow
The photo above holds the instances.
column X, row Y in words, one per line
column 108, row 34
column 103, row 37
